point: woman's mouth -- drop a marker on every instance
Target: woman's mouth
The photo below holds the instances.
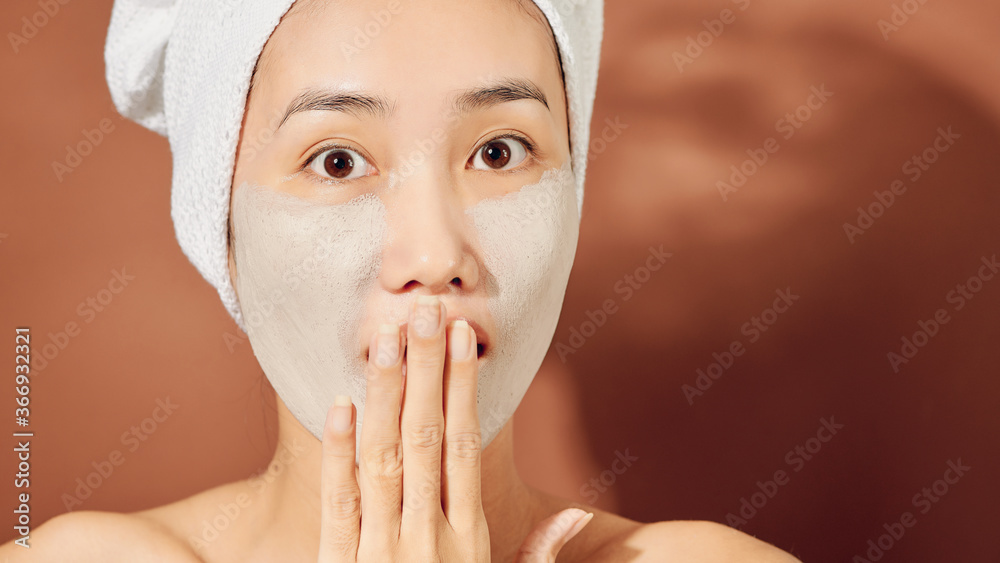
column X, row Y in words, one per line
column 482, row 338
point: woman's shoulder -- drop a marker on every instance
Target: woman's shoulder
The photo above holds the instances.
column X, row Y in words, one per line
column 166, row 533
column 685, row 540
column 610, row 537
column 91, row 535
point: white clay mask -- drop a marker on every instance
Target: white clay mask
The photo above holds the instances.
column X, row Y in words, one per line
column 305, row 269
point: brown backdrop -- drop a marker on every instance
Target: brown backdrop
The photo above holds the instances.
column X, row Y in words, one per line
column 670, row 129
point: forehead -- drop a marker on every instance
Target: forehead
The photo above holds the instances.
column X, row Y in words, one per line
column 407, row 46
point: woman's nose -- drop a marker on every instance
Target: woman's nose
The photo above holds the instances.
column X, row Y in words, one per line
column 429, row 236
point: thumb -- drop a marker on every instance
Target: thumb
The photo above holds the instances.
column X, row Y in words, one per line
column 551, row 534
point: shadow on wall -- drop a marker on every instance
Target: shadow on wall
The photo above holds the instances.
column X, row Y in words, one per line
column 813, row 357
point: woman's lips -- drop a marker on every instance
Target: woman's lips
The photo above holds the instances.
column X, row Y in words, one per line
column 482, row 337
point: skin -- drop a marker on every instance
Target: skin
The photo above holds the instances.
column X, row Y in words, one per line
column 309, row 510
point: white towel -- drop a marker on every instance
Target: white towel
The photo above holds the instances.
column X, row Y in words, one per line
column 182, row 69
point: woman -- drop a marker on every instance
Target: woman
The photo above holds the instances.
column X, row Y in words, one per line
column 406, row 187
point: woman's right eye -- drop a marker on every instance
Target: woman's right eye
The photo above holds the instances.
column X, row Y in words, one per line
column 340, row 163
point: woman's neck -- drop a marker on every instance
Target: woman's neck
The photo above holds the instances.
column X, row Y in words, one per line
column 291, row 491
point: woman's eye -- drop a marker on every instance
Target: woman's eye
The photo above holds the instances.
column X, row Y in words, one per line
column 499, row 154
column 340, row 164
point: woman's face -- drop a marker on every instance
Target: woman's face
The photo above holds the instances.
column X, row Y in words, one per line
column 392, row 149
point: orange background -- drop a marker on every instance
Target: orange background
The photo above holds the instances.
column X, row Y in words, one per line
column 653, row 183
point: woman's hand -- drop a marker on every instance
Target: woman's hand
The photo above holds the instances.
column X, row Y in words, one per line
column 412, row 510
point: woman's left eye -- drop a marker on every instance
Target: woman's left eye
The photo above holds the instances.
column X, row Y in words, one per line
column 339, row 163
column 500, row 154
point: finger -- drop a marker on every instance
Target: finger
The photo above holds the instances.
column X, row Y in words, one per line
column 340, row 517
column 422, row 425
column 381, row 459
column 461, row 486
column 550, row 535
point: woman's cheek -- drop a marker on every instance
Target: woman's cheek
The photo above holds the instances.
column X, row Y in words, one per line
column 529, row 240
column 304, row 271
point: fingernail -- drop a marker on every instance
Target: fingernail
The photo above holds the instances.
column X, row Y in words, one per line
column 387, row 345
column 578, row 526
column 460, row 340
column 427, row 315
column 342, row 413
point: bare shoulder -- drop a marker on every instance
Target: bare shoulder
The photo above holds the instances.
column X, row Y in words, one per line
column 688, row 540
column 162, row 533
column 610, row 537
column 90, row 535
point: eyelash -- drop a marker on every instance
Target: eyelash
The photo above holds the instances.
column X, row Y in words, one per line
column 530, row 147
column 305, row 166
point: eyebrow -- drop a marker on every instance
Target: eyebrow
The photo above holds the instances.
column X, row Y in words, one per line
column 362, row 104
